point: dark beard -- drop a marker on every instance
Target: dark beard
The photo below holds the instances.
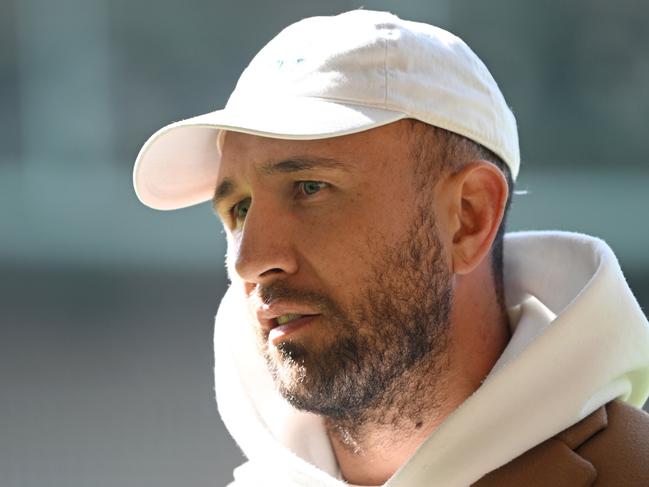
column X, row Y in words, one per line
column 395, row 333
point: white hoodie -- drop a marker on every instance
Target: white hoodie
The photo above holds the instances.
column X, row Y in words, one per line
column 579, row 340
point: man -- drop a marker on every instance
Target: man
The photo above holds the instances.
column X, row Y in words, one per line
column 362, row 170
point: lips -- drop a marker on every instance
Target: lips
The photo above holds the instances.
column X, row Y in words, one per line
column 281, row 331
column 285, row 316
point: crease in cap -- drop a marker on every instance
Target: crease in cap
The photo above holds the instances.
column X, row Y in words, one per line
column 307, row 84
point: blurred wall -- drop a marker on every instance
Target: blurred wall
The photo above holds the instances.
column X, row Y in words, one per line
column 106, row 307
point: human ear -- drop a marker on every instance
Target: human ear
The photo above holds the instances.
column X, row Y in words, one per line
column 480, row 196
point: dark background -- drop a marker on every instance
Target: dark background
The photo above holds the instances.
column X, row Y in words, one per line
column 106, row 307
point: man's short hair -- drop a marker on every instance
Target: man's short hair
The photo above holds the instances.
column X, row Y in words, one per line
column 435, row 151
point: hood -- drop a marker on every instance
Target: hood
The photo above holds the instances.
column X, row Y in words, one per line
column 579, row 340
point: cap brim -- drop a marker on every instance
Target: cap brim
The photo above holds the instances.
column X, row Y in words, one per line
column 178, row 165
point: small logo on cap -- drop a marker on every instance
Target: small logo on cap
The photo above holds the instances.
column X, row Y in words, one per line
column 281, row 63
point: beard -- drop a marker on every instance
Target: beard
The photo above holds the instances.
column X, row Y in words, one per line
column 389, row 343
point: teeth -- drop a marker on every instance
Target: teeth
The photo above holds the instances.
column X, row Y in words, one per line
column 282, row 320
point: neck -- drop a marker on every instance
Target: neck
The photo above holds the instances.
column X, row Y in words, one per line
column 371, row 446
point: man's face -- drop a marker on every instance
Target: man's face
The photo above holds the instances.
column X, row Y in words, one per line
column 339, row 256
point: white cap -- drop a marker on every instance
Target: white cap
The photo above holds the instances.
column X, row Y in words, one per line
column 328, row 76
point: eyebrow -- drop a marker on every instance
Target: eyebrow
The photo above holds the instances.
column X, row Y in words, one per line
column 223, row 190
column 226, row 187
column 300, row 164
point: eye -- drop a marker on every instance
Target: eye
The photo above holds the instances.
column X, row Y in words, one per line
column 240, row 210
column 310, row 188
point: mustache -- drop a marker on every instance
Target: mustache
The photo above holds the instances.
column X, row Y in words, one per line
column 280, row 290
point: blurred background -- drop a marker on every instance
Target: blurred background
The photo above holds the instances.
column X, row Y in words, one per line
column 106, row 307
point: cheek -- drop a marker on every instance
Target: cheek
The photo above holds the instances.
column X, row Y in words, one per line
column 344, row 248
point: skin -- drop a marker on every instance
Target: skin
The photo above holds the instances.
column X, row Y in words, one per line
column 323, row 238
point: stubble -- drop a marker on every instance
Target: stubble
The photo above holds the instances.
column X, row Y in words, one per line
column 387, row 361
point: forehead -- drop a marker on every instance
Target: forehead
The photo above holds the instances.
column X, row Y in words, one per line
column 240, row 151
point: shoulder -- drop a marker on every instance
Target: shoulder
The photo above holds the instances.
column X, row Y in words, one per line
column 608, row 448
column 620, row 451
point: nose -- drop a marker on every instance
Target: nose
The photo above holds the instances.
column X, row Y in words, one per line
column 264, row 250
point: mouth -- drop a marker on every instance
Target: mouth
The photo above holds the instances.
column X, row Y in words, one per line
column 282, row 318
column 287, row 324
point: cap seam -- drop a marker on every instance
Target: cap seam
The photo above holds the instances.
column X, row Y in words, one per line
column 437, row 121
column 333, row 99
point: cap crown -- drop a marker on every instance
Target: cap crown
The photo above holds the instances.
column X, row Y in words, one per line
column 375, row 59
